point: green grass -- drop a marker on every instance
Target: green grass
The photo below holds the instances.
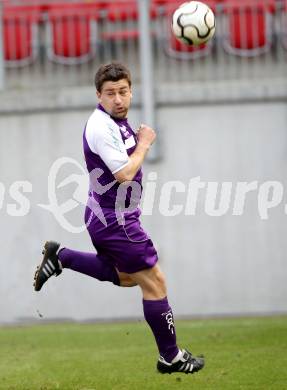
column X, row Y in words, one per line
column 248, row 353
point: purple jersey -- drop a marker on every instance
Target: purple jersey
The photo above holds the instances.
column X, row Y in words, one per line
column 107, row 144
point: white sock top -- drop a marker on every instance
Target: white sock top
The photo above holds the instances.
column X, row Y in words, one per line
column 178, row 357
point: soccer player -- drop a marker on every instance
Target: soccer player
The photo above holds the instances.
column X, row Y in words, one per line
column 125, row 254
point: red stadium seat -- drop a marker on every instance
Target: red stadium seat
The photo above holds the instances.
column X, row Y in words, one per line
column 248, row 26
column 116, row 16
column 122, row 11
column 20, row 34
column 126, row 10
column 122, row 20
column 72, row 32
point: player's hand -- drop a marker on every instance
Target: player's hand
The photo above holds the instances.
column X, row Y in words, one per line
column 146, row 135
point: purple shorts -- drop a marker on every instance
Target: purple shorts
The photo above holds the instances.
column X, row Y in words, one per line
column 127, row 246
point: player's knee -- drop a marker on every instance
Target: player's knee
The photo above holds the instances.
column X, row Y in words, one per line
column 158, row 285
column 152, row 283
column 160, row 280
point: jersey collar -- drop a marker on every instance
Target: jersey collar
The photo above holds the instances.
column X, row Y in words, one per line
column 117, row 120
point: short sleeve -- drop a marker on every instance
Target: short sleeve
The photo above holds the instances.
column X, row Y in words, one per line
column 104, row 139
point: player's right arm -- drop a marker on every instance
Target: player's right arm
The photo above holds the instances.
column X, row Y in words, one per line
column 146, row 136
column 104, row 139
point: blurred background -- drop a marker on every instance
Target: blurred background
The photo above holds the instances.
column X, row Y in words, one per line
column 221, row 114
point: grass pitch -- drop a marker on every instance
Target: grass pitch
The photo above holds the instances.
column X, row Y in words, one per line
column 248, row 353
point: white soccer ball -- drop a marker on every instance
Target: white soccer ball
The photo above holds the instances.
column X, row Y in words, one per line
column 193, row 23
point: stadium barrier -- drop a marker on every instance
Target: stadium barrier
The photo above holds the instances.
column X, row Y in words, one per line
column 42, row 38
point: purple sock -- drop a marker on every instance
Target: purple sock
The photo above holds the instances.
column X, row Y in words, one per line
column 89, row 264
column 158, row 315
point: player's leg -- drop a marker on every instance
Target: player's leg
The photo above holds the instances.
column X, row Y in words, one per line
column 159, row 316
column 157, row 311
column 94, row 265
column 91, row 264
column 152, row 282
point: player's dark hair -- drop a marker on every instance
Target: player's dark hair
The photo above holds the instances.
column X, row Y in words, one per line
column 113, row 71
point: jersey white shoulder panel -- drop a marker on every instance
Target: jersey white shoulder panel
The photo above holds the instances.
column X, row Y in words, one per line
column 104, row 139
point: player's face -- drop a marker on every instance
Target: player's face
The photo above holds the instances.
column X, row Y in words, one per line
column 115, row 97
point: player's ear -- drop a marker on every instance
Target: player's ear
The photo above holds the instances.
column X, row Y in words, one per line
column 99, row 95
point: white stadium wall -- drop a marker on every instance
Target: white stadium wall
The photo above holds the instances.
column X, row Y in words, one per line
column 215, row 265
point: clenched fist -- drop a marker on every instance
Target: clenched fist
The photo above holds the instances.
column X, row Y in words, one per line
column 146, row 135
